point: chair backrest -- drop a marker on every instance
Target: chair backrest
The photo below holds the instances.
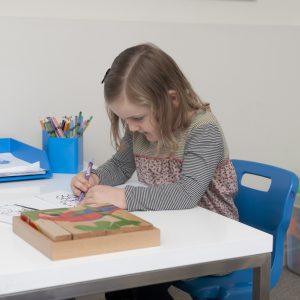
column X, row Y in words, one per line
column 268, row 211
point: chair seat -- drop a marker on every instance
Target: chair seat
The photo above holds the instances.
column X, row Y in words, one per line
column 213, row 287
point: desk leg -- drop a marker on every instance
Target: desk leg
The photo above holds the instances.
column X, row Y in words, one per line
column 261, row 280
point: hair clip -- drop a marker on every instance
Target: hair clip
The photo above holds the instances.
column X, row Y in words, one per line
column 105, row 75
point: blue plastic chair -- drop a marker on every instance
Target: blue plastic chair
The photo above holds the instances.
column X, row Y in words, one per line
column 268, row 211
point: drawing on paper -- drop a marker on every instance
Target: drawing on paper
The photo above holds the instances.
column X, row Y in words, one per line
column 60, row 199
column 68, row 200
column 10, row 210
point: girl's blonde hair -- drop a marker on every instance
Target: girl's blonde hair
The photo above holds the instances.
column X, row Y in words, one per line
column 146, row 74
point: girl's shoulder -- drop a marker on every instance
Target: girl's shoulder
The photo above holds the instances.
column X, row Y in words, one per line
column 202, row 118
column 207, row 120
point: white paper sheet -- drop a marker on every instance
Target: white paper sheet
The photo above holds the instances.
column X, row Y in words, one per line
column 57, row 199
column 60, row 199
column 13, row 166
column 10, row 208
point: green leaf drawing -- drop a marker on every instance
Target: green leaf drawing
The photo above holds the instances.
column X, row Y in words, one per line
column 106, row 225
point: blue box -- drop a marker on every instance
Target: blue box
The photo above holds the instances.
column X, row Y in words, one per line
column 65, row 154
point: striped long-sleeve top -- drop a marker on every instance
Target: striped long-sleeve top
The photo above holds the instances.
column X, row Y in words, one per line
column 199, row 172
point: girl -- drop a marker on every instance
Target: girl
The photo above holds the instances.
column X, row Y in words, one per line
column 171, row 139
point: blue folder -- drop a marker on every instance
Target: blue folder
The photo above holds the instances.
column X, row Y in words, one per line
column 27, row 153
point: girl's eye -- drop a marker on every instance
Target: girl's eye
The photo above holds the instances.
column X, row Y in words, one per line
column 138, row 118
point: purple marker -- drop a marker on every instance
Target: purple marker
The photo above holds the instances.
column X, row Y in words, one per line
column 87, row 176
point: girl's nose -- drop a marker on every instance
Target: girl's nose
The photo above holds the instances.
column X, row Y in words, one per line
column 132, row 126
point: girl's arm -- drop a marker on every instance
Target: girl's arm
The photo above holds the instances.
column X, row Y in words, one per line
column 120, row 167
column 203, row 151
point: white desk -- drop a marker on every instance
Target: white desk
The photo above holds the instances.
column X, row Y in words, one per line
column 194, row 242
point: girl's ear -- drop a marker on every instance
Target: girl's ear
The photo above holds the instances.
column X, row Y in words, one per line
column 173, row 96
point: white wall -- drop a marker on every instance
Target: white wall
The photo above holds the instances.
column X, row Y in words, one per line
column 281, row 12
column 249, row 73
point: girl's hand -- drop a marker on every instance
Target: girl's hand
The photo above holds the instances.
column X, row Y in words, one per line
column 102, row 194
column 80, row 184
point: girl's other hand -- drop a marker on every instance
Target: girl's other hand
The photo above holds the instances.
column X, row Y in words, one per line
column 80, row 184
column 103, row 194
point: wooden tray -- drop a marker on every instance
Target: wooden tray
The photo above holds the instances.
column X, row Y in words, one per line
column 124, row 238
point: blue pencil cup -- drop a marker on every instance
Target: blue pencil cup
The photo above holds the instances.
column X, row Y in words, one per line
column 65, row 155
